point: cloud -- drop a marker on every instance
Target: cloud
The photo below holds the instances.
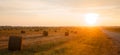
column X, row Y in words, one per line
column 54, row 6
column 27, row 7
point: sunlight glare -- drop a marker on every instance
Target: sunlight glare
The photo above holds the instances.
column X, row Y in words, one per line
column 91, row 18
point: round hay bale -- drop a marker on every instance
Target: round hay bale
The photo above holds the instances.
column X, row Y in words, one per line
column 45, row 33
column 55, row 31
column 15, row 43
column 23, row 32
column 66, row 33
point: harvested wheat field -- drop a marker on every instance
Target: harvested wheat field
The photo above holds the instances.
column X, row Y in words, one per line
column 79, row 41
column 59, row 27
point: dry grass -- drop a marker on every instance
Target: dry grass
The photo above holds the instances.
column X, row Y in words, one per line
column 95, row 43
column 81, row 41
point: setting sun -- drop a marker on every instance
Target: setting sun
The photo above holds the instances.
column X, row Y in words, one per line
column 91, row 18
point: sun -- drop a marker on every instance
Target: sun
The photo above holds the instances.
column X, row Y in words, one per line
column 91, row 18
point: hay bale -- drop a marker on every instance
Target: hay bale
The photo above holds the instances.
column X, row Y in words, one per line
column 66, row 33
column 55, row 31
column 22, row 32
column 30, row 30
column 75, row 32
column 36, row 30
column 15, row 43
column 45, row 33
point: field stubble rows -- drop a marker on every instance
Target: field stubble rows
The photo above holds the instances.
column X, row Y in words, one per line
column 85, row 42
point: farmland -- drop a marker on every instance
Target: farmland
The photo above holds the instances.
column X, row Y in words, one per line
column 60, row 41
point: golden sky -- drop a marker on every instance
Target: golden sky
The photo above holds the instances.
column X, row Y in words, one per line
column 58, row 12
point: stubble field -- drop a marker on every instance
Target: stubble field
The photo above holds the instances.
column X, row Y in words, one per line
column 79, row 41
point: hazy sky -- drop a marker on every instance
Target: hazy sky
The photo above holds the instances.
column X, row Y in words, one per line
column 58, row 12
